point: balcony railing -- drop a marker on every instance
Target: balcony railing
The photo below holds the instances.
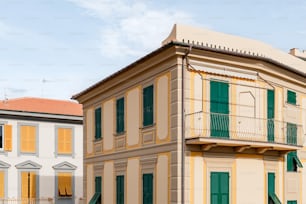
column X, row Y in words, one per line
column 232, row 127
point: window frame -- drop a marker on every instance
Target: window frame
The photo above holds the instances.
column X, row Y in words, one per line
column 151, row 121
column 57, row 153
column 36, row 125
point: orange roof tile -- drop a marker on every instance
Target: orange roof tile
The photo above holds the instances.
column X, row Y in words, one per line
column 42, row 105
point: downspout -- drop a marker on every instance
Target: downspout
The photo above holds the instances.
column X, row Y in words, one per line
column 183, row 129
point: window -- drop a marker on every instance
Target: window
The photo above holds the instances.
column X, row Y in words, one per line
column 27, row 139
column 291, row 133
column 219, row 108
column 272, row 197
column 96, row 199
column 219, row 188
column 293, row 162
column 291, row 97
column 98, row 124
column 147, row 188
column 120, row 189
column 291, row 202
column 270, row 115
column 64, row 182
column 28, row 184
column 148, row 101
column 6, row 137
column 2, row 184
column 120, row 116
column 64, row 141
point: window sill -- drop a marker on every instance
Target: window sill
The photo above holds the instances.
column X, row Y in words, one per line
column 119, row 133
column 98, row 139
column 148, row 126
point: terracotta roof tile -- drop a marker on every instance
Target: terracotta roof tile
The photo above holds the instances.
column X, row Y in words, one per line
column 42, row 105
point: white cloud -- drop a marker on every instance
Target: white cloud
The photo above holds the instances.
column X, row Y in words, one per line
column 131, row 29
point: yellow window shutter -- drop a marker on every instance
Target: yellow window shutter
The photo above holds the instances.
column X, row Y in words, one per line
column 60, row 140
column 68, row 185
column 68, row 142
column 33, row 185
column 61, row 184
column 32, row 139
column 24, row 184
column 1, row 184
column 23, row 135
column 8, row 138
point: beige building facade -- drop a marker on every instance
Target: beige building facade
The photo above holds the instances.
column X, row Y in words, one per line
column 207, row 118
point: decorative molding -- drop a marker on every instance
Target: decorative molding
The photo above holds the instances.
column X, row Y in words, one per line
column 148, row 162
column 4, row 165
column 64, row 166
column 28, row 165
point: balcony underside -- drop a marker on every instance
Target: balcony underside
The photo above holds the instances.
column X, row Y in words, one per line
column 240, row 146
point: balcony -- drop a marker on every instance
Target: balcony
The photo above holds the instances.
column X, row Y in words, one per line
column 211, row 130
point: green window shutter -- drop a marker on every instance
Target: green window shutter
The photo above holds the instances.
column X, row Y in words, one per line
column 219, row 108
column 291, row 97
column 98, row 129
column 291, row 133
column 148, row 103
column 271, row 183
column 120, row 115
column 291, row 202
column 219, row 187
column 120, row 190
column 270, row 115
column 98, row 184
column 147, row 188
column 290, row 161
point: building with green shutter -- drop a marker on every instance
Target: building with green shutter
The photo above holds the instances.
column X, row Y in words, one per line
column 207, row 118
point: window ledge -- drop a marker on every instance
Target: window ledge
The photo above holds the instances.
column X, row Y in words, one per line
column 98, row 139
column 120, row 133
column 147, row 126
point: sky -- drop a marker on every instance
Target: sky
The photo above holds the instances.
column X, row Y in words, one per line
column 57, row 48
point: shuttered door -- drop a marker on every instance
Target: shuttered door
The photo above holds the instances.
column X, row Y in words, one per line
column 271, row 185
column 270, row 115
column 147, row 188
column 291, row 133
column 120, row 190
column 219, row 188
column 219, row 108
column 148, row 105
column 28, row 183
column 98, row 184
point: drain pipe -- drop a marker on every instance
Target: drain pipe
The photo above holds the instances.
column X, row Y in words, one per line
column 183, row 130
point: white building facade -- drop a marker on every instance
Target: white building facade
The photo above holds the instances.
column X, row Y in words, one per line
column 41, row 151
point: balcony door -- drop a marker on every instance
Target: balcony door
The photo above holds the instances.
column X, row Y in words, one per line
column 219, row 109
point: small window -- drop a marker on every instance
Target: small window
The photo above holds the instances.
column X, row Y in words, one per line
column 27, row 139
column 291, row 97
column 148, row 106
column 120, row 116
column 64, row 184
column 293, row 162
column 98, row 124
column 64, row 140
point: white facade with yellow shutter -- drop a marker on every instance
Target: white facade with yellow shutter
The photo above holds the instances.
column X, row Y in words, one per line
column 41, row 157
column 225, row 114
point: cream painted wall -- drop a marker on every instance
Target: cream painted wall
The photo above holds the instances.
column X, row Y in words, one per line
column 304, row 119
column 162, row 119
column 303, row 190
column 108, row 183
column 90, row 185
column 250, row 181
column 133, row 181
column 162, row 179
column 198, row 183
column 89, row 131
column 133, row 109
column 197, row 86
column 108, row 121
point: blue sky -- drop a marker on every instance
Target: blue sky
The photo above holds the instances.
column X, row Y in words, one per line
column 57, row 48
